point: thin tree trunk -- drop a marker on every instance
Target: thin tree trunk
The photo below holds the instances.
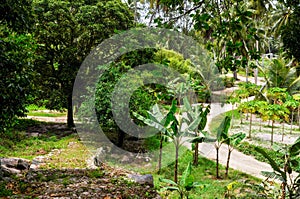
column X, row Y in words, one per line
column 196, row 154
column 255, row 74
column 228, row 159
column 247, row 71
column 272, row 132
column 217, row 165
column 292, row 119
column 176, row 164
column 232, row 115
column 283, row 185
column 241, row 115
column 235, row 75
column 160, row 153
column 121, row 136
column 299, row 116
column 260, row 124
column 70, row 120
column 250, row 126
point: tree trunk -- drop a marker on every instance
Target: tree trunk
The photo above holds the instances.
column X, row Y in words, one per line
column 260, row 124
column 283, row 185
column 70, row 120
column 299, row 116
column 292, row 119
column 160, row 153
column 247, row 71
column 176, row 164
column 196, row 154
column 272, row 132
column 255, row 74
column 232, row 115
column 121, row 136
column 235, row 75
column 250, row 126
column 228, row 159
column 217, row 165
column 241, row 115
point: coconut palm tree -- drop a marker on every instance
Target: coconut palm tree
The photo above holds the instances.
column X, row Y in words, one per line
column 281, row 74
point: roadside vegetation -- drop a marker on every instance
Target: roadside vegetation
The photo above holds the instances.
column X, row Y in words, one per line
column 44, row 44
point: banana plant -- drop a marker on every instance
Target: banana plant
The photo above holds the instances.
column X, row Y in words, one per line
column 157, row 120
column 283, row 172
column 232, row 141
column 222, row 136
column 177, row 129
column 194, row 113
column 185, row 184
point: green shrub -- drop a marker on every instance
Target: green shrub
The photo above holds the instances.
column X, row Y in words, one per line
column 4, row 192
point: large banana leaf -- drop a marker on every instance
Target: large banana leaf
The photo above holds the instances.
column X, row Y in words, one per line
column 203, row 121
column 272, row 162
column 150, row 122
column 186, row 179
column 223, row 129
column 295, row 148
column 272, row 174
column 235, row 139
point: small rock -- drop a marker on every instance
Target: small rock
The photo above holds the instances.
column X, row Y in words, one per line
column 142, row 179
column 125, row 159
column 13, row 165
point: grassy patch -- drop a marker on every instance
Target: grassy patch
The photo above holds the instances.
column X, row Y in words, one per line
column 73, row 155
column 16, row 143
column 41, row 111
column 34, row 107
column 30, row 147
column 249, row 149
column 204, row 173
column 46, row 114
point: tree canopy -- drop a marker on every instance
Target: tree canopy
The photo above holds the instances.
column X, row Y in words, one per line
column 66, row 32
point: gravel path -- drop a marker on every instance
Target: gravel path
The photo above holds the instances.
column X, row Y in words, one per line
column 288, row 139
column 238, row 161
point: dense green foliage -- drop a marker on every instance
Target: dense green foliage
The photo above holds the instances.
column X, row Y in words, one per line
column 66, row 32
column 17, row 53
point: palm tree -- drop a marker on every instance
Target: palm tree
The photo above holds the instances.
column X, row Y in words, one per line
column 281, row 74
